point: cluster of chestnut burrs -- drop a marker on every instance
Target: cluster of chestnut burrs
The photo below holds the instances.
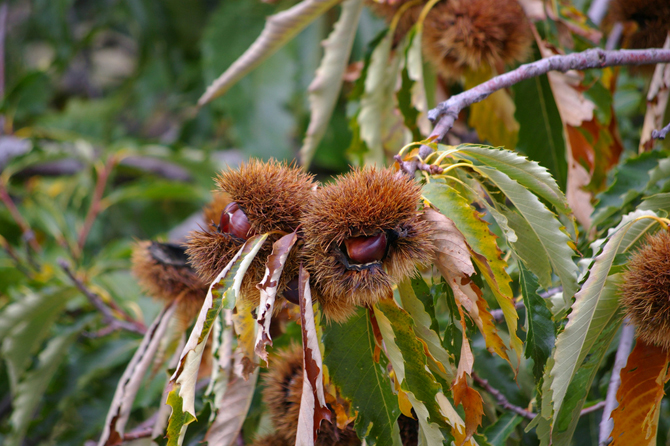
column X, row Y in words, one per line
column 356, row 237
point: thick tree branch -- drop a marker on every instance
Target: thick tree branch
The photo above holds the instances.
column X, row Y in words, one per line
column 625, row 346
column 107, row 314
column 446, row 113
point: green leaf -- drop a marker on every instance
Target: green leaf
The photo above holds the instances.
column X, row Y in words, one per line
column 25, row 323
column 656, row 202
column 423, row 293
column 609, row 310
column 279, row 29
column 349, row 352
column 541, row 132
column 528, row 248
column 552, row 236
column 498, row 433
column 156, row 190
column 527, row 173
column 30, row 391
column 423, row 330
column 222, row 294
column 540, row 328
column 267, row 96
column 630, row 180
column 591, row 310
column 397, row 329
column 325, row 88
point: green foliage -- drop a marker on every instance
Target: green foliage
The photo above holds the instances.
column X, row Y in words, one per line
column 104, row 142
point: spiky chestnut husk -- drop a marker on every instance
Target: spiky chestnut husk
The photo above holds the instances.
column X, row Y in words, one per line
column 163, row 272
column 271, row 195
column 645, row 292
column 464, row 34
column 211, row 213
column 652, row 18
column 272, row 440
column 364, row 202
column 282, row 396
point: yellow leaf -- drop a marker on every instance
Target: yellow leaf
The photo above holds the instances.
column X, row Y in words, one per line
column 493, row 118
column 245, row 327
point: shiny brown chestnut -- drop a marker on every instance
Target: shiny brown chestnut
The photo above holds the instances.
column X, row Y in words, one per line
column 291, row 291
column 364, row 249
column 234, row 221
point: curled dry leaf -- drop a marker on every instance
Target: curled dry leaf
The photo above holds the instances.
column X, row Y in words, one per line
column 464, row 394
column 452, row 258
column 130, row 381
column 325, row 88
column 268, row 288
column 313, row 407
column 278, row 30
column 222, row 294
column 232, row 411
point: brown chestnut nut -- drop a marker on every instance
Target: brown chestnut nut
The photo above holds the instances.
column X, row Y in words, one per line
column 234, row 221
column 364, row 249
column 291, row 291
column 362, row 233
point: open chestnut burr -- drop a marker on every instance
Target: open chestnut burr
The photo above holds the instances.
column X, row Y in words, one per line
column 362, row 234
column 257, row 198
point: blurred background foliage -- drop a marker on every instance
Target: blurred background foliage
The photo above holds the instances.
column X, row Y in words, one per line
column 100, row 96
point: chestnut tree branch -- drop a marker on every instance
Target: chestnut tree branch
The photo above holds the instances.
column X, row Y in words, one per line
column 660, row 134
column 500, row 398
column 505, row 404
column 446, row 113
column 107, row 314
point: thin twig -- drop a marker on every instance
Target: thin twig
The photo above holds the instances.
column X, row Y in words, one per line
column 107, row 314
column 500, row 398
column 625, row 346
column 446, row 113
column 596, row 407
column 660, row 134
column 101, row 183
column 505, row 404
column 28, row 233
